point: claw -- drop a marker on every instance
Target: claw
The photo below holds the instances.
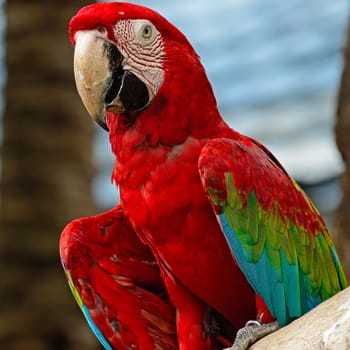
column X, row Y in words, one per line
column 253, row 331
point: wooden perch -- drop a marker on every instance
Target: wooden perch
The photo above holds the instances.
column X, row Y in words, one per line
column 327, row 327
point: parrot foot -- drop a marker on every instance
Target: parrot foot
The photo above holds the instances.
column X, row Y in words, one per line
column 253, row 331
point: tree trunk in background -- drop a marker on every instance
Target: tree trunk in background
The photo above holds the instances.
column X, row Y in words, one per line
column 342, row 224
column 45, row 181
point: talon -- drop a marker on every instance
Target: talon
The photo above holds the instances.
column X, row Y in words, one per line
column 253, row 323
column 253, row 331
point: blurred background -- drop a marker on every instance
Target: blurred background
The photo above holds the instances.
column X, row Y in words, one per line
column 279, row 73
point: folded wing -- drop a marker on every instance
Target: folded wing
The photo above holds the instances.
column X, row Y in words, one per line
column 275, row 233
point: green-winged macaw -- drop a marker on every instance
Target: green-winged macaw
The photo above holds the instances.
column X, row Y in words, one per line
column 210, row 232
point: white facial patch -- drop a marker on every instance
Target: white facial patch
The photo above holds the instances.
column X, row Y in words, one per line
column 142, row 47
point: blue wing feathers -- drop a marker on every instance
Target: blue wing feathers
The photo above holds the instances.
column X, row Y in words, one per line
column 291, row 286
column 260, row 274
column 95, row 329
column 283, row 290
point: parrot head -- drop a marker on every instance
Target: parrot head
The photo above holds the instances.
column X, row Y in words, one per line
column 124, row 56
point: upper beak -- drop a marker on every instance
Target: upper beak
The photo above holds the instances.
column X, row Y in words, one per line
column 91, row 72
column 102, row 83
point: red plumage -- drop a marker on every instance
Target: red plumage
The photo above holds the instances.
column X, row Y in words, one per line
column 118, row 281
column 162, row 251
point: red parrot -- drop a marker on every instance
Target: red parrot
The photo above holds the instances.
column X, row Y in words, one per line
column 210, row 232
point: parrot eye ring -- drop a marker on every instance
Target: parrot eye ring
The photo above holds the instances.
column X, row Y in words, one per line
column 147, row 32
column 144, row 32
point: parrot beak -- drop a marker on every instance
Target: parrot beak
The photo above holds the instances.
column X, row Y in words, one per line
column 102, row 83
column 91, row 71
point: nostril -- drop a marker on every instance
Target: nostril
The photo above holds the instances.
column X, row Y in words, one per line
column 101, row 30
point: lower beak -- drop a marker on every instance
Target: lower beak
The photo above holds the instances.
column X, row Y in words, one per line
column 101, row 81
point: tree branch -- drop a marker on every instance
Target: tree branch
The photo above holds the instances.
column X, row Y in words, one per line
column 327, row 327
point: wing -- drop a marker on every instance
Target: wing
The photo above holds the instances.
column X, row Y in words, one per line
column 116, row 282
column 275, row 233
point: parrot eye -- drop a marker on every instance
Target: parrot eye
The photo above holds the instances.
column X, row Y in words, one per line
column 147, row 32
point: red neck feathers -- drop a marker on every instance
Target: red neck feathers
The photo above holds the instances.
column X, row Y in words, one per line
column 184, row 107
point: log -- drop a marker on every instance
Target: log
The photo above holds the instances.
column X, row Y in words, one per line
column 326, row 327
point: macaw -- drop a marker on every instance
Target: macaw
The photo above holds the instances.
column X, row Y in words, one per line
column 211, row 233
